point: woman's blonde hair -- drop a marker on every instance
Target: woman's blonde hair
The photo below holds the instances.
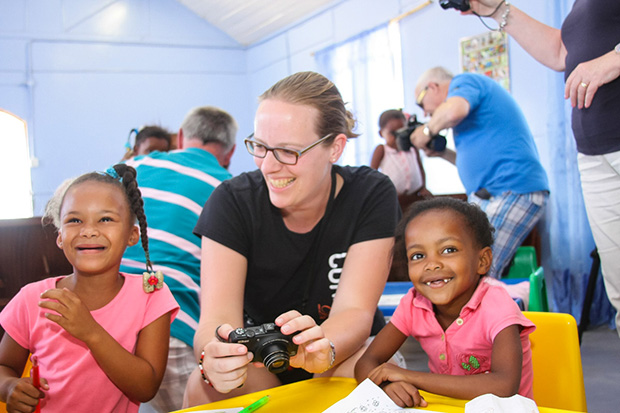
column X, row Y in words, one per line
column 314, row 89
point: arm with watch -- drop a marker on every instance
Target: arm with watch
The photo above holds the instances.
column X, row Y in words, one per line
column 447, row 115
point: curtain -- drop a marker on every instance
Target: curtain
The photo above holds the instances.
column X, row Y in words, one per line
column 367, row 70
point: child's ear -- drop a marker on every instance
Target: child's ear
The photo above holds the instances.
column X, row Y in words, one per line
column 134, row 236
column 59, row 239
column 485, row 260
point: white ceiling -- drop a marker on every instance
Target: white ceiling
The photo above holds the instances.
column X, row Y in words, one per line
column 249, row 21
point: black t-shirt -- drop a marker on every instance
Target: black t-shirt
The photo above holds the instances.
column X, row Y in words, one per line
column 592, row 29
column 285, row 266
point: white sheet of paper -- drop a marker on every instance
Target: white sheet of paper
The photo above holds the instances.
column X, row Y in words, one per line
column 367, row 397
column 231, row 410
column 492, row 403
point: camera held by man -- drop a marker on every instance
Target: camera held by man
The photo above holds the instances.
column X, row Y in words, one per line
column 437, row 142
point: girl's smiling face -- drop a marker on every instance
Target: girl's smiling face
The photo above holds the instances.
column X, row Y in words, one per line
column 444, row 261
column 96, row 227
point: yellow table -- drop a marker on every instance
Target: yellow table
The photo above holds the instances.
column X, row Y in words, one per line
column 316, row 395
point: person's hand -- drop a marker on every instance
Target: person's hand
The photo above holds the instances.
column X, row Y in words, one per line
column 72, row 315
column 419, row 139
column 314, row 352
column 404, row 394
column 226, row 364
column 587, row 77
column 23, row 396
column 483, row 7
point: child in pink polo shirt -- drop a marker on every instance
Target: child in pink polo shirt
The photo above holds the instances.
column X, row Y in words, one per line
column 100, row 336
column 474, row 334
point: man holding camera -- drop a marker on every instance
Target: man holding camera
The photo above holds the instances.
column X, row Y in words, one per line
column 497, row 158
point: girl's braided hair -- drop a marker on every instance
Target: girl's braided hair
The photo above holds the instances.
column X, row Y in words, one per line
column 121, row 175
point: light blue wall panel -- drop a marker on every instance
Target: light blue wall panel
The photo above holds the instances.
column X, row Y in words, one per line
column 12, row 16
column 14, row 96
column 311, row 33
column 12, row 56
column 272, row 51
column 355, row 16
column 89, row 57
column 83, row 120
column 171, row 22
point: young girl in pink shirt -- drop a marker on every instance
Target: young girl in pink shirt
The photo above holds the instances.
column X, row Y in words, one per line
column 474, row 334
column 100, row 337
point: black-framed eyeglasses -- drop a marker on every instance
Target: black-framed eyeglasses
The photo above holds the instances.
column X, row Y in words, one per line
column 283, row 155
column 420, row 99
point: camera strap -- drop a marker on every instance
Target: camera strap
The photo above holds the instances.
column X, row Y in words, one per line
column 312, row 256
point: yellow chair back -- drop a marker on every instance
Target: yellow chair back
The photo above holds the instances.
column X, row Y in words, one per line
column 556, row 360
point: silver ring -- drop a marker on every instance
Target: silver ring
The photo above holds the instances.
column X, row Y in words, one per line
column 583, row 84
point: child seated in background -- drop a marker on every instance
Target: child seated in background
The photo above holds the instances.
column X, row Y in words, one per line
column 101, row 337
column 474, row 334
column 404, row 168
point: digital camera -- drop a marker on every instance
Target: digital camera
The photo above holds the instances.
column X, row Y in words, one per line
column 437, row 142
column 462, row 5
column 268, row 344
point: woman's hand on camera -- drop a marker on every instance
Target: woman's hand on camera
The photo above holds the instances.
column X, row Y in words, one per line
column 226, row 364
column 314, row 351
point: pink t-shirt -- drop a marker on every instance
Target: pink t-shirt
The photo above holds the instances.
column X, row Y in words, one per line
column 467, row 344
column 77, row 383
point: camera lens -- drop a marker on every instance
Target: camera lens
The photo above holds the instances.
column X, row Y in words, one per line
column 275, row 357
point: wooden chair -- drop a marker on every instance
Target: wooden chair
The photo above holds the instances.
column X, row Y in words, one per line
column 556, row 360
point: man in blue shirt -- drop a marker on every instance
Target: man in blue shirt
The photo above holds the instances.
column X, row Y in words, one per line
column 496, row 156
column 175, row 186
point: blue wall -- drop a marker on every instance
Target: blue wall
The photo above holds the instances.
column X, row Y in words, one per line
column 83, row 73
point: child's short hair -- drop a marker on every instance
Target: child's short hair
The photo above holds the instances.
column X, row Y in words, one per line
column 390, row 114
column 152, row 132
column 475, row 219
column 120, row 175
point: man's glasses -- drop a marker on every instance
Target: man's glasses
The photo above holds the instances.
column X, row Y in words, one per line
column 282, row 155
column 420, row 97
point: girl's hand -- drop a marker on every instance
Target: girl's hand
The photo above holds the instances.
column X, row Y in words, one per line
column 23, row 397
column 226, row 364
column 314, row 352
column 74, row 316
column 584, row 81
column 404, row 394
column 387, row 372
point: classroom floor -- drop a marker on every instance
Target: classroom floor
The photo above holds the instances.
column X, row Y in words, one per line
column 600, row 357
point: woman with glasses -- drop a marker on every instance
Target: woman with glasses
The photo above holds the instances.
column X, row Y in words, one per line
column 300, row 242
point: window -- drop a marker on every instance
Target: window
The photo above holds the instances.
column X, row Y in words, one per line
column 15, row 185
column 367, row 71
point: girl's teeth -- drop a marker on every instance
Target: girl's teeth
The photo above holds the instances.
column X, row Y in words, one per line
column 445, row 280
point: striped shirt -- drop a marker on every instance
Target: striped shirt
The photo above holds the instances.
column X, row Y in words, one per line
column 175, row 185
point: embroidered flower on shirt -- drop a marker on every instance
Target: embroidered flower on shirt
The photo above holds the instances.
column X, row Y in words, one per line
column 472, row 364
